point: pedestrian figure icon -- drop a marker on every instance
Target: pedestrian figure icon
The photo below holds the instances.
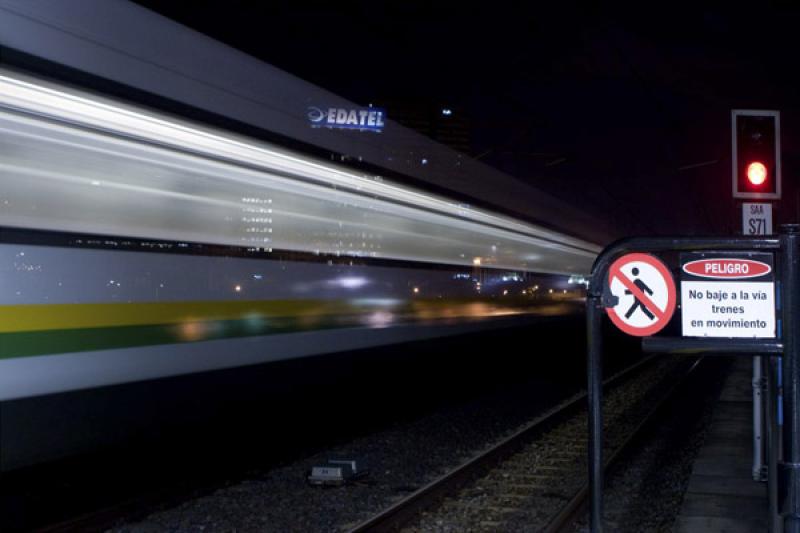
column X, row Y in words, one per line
column 636, row 301
column 643, row 294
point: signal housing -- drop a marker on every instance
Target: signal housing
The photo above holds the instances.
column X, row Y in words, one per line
column 756, row 140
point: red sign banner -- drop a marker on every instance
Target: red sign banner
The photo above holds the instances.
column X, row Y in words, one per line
column 727, row 268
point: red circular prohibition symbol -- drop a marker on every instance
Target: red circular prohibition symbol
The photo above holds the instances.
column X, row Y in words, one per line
column 662, row 315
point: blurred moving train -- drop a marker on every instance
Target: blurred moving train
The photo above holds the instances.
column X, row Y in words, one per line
column 136, row 246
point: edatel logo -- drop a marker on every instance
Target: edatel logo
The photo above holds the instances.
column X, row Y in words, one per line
column 363, row 119
column 316, row 114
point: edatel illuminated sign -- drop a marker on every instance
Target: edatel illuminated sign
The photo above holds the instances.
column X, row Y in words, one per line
column 367, row 118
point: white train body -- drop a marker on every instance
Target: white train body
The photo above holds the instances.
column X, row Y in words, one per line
column 135, row 246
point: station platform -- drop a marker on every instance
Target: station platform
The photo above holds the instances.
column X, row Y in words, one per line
column 722, row 495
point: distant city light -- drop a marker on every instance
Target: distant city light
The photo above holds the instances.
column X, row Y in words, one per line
column 447, row 111
column 578, row 280
column 238, row 288
column 380, row 319
column 416, row 290
column 424, row 161
column 349, row 282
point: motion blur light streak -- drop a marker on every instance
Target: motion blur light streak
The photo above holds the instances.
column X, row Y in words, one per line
column 150, row 229
column 156, row 178
column 119, row 119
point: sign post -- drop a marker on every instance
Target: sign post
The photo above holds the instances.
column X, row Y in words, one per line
column 729, row 305
column 757, row 220
column 789, row 483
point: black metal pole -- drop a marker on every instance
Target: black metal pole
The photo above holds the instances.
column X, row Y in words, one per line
column 790, row 303
column 594, row 339
column 771, row 445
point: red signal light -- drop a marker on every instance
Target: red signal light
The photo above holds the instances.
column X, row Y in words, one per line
column 756, row 154
column 756, row 173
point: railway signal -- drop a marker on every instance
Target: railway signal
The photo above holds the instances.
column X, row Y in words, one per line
column 756, row 154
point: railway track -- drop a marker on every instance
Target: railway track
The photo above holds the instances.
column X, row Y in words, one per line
column 98, row 493
column 535, row 480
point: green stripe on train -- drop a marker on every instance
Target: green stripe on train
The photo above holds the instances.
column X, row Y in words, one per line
column 309, row 317
column 31, row 343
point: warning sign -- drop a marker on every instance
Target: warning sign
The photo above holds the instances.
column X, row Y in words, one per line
column 645, row 294
column 728, row 295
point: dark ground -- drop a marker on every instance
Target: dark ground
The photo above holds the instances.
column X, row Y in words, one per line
column 211, row 429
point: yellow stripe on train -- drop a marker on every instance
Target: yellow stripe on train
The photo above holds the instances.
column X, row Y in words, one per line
column 39, row 317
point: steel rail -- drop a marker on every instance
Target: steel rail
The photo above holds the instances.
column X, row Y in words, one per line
column 577, row 506
column 405, row 510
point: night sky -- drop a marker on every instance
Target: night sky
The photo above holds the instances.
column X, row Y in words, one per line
column 624, row 113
